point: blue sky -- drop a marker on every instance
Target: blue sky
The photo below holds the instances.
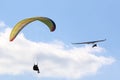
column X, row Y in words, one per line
column 76, row 21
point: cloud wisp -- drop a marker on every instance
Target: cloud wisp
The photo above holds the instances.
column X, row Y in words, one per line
column 54, row 58
column 2, row 24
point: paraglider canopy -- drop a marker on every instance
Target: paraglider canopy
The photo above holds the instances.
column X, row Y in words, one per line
column 20, row 25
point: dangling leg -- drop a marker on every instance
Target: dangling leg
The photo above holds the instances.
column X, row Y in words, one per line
column 38, row 71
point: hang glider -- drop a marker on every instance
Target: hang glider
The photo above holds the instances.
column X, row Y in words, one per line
column 91, row 42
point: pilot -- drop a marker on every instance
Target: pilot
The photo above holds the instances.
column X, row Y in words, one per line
column 35, row 68
column 95, row 45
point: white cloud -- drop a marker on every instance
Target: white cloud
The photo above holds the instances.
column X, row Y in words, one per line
column 55, row 59
column 2, row 24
